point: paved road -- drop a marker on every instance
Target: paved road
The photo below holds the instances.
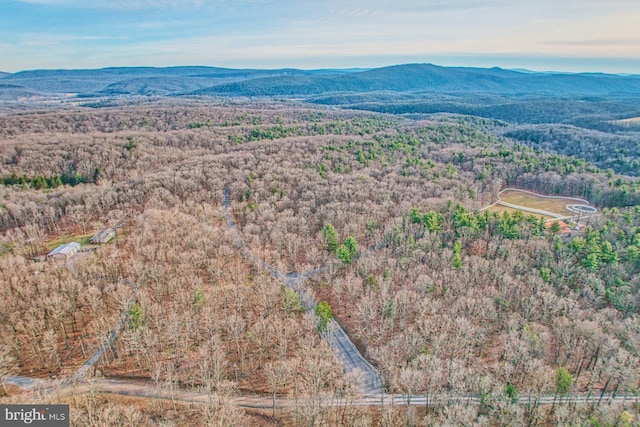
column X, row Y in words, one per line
column 147, row 389
column 368, row 377
column 345, row 351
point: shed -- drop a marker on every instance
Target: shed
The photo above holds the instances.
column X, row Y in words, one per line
column 65, row 251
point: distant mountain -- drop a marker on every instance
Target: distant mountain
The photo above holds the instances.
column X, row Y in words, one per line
column 416, row 78
column 405, row 80
column 154, row 86
column 74, row 81
column 12, row 92
column 165, row 84
column 143, row 80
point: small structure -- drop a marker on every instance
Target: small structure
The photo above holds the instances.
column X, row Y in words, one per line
column 64, row 252
column 564, row 227
column 103, row 236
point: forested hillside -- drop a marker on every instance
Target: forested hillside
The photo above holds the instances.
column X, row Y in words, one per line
column 599, row 130
column 598, row 111
column 619, row 151
column 407, row 78
column 429, row 78
column 445, row 298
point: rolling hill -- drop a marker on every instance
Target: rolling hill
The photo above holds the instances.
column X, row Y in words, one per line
column 11, row 92
column 589, row 104
column 428, row 78
column 416, row 79
column 132, row 80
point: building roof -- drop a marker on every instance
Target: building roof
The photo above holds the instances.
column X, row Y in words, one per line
column 65, row 249
column 103, row 236
column 564, row 227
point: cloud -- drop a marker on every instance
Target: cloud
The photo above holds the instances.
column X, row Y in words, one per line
column 600, row 42
column 119, row 4
column 148, row 4
column 49, row 39
column 48, row 2
column 263, row 32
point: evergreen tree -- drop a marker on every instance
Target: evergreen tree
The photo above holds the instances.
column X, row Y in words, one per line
column 330, row 237
column 325, row 314
column 352, row 245
column 344, row 254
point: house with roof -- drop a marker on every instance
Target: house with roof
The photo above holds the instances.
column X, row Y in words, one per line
column 103, row 236
column 64, row 252
column 564, row 227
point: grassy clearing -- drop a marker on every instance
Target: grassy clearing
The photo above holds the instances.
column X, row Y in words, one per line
column 530, row 201
column 501, row 209
column 83, row 239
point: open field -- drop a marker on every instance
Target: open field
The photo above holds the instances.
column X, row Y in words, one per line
column 521, row 198
column 83, row 239
column 629, row 121
column 500, row 209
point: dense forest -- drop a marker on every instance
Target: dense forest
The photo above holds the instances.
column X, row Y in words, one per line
column 590, row 116
column 601, row 130
column 618, row 150
column 443, row 298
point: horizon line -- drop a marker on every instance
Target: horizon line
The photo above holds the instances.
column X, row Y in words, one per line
column 523, row 70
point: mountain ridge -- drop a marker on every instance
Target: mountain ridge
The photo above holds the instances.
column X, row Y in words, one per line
column 433, row 78
column 291, row 82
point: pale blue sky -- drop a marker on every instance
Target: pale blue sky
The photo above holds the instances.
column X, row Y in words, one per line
column 565, row 35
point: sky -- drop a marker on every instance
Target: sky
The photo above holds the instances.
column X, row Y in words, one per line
column 542, row 35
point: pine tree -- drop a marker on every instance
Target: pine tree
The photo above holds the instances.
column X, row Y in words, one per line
column 330, row 237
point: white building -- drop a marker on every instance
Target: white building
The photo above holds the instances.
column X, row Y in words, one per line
column 65, row 251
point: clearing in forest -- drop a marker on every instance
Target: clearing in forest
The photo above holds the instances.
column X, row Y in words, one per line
column 83, row 239
column 547, row 207
column 630, row 121
column 501, row 208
